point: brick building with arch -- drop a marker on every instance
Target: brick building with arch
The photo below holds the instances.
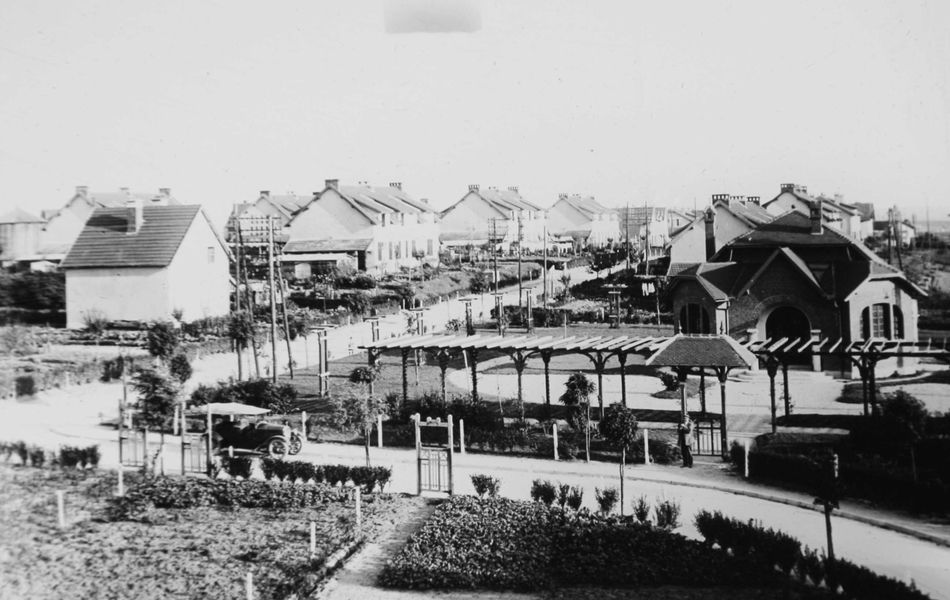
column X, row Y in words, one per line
column 795, row 277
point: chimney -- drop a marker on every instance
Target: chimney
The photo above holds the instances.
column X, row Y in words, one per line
column 561, row 196
column 814, row 215
column 723, row 198
column 166, row 192
column 755, row 200
column 82, row 190
column 737, row 199
column 839, row 197
column 398, row 186
column 265, row 193
column 710, row 218
column 473, row 187
column 424, row 200
column 333, row 183
column 135, row 215
column 788, row 187
column 513, row 188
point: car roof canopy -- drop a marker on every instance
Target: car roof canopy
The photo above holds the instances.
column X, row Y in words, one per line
column 226, row 408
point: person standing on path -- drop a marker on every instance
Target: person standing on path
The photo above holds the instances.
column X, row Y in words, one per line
column 686, row 441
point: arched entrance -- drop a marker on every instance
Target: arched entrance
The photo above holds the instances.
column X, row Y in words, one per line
column 788, row 322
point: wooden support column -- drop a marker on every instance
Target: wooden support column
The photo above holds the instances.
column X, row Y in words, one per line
column 546, row 357
column 681, row 373
column 788, row 399
column 863, row 371
column 520, row 360
column 771, row 366
column 723, row 372
column 474, row 364
column 702, row 390
column 872, row 383
column 622, row 357
column 599, row 364
column 405, row 376
column 443, row 357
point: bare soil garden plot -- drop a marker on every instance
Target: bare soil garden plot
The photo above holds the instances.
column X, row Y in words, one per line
column 190, row 553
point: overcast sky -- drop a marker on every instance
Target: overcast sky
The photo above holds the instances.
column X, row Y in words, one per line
column 627, row 101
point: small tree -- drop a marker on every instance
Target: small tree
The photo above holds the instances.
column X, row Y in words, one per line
column 904, row 420
column 576, row 396
column 355, row 413
column 479, row 283
column 163, row 340
column 358, row 303
column 241, row 332
column 619, row 427
column 180, row 367
column 158, row 394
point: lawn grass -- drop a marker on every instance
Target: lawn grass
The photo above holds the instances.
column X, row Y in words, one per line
column 190, row 553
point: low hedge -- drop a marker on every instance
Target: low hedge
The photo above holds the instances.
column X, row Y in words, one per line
column 780, row 550
column 496, row 543
column 369, row 479
column 188, row 492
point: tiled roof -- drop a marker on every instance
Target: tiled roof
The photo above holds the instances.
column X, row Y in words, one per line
column 18, row 215
column 119, row 199
column 302, row 246
column 104, row 241
column 588, row 206
column 790, row 229
column 702, row 351
column 866, row 209
column 752, row 213
column 383, row 199
column 506, row 200
column 677, row 268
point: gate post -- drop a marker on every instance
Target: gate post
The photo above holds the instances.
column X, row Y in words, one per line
column 646, row 446
column 415, row 420
column 450, row 453
column 184, row 435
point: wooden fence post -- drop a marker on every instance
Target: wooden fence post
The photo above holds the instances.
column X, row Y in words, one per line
column 313, row 538
column 646, row 446
column 554, row 431
column 462, row 435
column 379, row 430
column 359, row 508
column 249, row 586
column 61, row 509
column 121, row 483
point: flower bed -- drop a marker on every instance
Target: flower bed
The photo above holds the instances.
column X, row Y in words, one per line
column 497, row 543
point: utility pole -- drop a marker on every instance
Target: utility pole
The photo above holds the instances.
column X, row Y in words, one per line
column 520, row 236
column 283, row 312
column 544, row 296
column 649, row 216
column 626, row 221
column 494, row 249
column 890, row 225
column 273, row 303
column 235, row 225
column 899, row 238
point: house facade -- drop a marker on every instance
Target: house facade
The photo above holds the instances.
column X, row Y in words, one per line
column 64, row 225
column 382, row 228
column 20, row 234
column 141, row 263
column 252, row 217
column 495, row 216
column 837, row 214
column 590, row 223
column 796, row 278
column 726, row 218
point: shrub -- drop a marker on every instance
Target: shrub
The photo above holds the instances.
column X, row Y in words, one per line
column 269, row 467
column 545, row 447
column 563, row 493
column 22, row 451
column 92, row 456
column 238, row 466
column 180, row 367
column 163, row 340
column 667, row 514
column 641, row 510
column 670, row 381
column 486, row 485
column 37, row 456
column 7, row 449
column 336, row 474
column 606, row 499
column 279, row 398
column 543, row 491
column 25, row 385
column 576, row 498
column 69, row 456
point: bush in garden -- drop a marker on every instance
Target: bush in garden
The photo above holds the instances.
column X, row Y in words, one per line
column 486, row 485
column 667, row 514
column 25, row 385
column 543, row 491
column 576, row 498
column 163, row 340
column 37, row 456
column 545, row 447
column 68, row 456
column 238, row 466
column 670, row 381
column 563, row 493
column 336, row 474
column 89, row 456
column 269, row 467
column 305, row 471
column 606, row 499
column 180, row 367
column 641, row 510
column 6, row 449
column 22, row 451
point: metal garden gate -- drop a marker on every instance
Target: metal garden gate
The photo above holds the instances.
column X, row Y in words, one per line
column 708, row 440
column 434, row 462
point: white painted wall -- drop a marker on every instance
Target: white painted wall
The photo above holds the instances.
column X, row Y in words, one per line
column 199, row 274
column 65, row 226
column 142, row 294
column 691, row 246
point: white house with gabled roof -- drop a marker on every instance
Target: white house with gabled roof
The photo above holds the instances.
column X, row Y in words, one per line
column 383, row 228
column 141, row 263
column 490, row 214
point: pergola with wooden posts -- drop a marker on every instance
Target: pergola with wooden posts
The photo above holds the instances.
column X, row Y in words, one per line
column 684, row 353
column 863, row 354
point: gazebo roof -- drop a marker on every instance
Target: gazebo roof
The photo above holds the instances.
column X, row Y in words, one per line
column 702, row 351
column 526, row 343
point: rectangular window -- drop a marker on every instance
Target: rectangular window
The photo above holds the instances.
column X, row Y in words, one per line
column 879, row 321
column 379, row 255
column 413, row 247
column 398, row 250
column 390, row 250
column 429, row 248
column 210, row 254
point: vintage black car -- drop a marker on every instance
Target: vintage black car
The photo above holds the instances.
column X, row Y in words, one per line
column 266, row 438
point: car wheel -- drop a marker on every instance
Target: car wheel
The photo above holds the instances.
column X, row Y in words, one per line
column 277, row 448
column 295, row 445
